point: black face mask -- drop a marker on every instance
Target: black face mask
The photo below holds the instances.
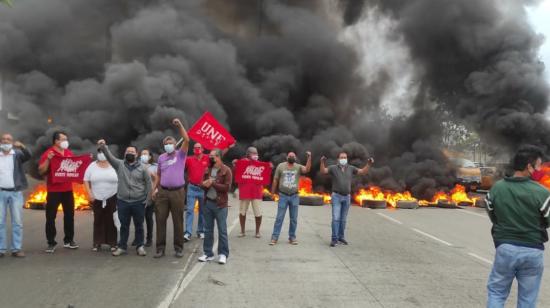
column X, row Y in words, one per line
column 212, row 161
column 291, row 160
column 130, row 157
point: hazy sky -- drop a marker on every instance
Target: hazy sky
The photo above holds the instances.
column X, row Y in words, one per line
column 540, row 18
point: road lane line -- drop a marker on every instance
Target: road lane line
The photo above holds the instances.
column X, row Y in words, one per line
column 472, row 213
column 184, row 281
column 390, row 218
column 471, row 254
column 432, row 237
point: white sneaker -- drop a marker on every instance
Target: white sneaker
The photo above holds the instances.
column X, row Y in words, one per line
column 222, row 260
column 141, row 251
column 186, row 237
column 205, row 258
column 201, row 236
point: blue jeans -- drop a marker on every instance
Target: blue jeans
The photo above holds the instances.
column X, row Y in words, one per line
column 12, row 201
column 290, row 202
column 194, row 193
column 340, row 208
column 213, row 213
column 523, row 263
column 126, row 212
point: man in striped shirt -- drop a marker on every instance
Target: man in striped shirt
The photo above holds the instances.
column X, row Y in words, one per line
column 519, row 209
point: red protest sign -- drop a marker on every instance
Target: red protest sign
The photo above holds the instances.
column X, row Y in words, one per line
column 252, row 172
column 210, row 133
column 69, row 169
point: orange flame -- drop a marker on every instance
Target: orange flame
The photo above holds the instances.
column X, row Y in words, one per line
column 40, row 194
column 545, row 180
column 305, row 190
column 274, row 197
column 458, row 195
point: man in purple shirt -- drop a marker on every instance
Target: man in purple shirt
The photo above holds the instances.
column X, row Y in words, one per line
column 169, row 191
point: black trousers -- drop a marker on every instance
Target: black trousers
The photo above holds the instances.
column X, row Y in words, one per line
column 66, row 200
column 149, row 222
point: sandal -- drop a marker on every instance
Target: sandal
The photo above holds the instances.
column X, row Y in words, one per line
column 242, row 235
column 293, row 242
column 273, row 242
column 258, row 235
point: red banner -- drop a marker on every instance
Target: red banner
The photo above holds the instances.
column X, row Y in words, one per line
column 252, row 172
column 69, row 169
column 210, row 133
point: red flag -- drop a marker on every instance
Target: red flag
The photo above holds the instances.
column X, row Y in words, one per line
column 69, row 169
column 252, row 172
column 210, row 133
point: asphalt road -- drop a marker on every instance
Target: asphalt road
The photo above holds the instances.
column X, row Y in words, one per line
column 396, row 258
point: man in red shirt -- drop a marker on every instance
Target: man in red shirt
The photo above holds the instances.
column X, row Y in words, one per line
column 196, row 167
column 250, row 194
column 58, row 193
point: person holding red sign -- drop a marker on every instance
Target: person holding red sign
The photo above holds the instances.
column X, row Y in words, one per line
column 250, row 191
column 58, row 193
column 286, row 181
column 169, row 191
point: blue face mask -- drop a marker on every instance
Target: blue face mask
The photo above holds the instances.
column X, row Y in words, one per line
column 343, row 161
column 169, row 148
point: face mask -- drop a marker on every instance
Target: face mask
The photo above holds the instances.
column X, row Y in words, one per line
column 197, row 151
column 291, row 160
column 212, row 161
column 144, row 159
column 101, row 157
column 169, row 148
column 130, row 157
column 537, row 175
column 64, row 145
column 254, row 157
column 343, row 161
column 6, row 147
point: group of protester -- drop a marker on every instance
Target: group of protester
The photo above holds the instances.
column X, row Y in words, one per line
column 135, row 188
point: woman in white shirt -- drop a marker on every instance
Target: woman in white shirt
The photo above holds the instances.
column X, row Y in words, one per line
column 101, row 182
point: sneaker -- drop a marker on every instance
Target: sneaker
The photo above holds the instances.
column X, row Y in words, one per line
column 149, row 243
column 141, row 251
column 70, row 245
column 186, row 237
column 159, row 254
column 273, row 242
column 333, row 243
column 179, row 253
column 293, row 242
column 343, row 241
column 95, row 249
column 201, row 236
column 205, row 258
column 119, row 252
column 18, row 254
column 113, row 248
column 51, row 248
column 222, row 259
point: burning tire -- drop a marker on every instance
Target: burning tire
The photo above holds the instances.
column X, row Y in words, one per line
column 407, row 204
column 446, row 204
column 311, row 200
column 480, row 203
column 36, row 205
column 374, row 204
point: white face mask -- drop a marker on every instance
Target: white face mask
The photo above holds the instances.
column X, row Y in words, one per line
column 343, row 161
column 64, row 145
column 6, row 147
column 169, row 148
column 254, row 156
column 144, row 159
column 101, row 157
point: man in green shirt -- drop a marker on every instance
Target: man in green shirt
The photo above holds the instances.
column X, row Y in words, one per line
column 519, row 209
column 286, row 180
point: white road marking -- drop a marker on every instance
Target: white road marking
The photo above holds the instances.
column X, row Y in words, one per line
column 471, row 254
column 184, row 281
column 390, row 218
column 472, row 213
column 432, row 237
